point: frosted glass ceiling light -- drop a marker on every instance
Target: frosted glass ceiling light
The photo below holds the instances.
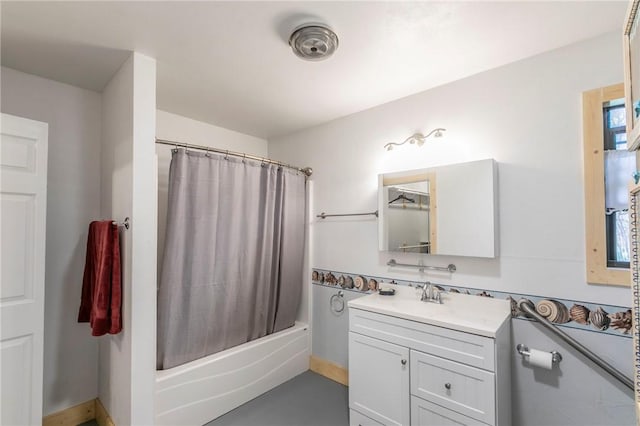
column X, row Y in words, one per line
column 313, row 42
column 417, row 138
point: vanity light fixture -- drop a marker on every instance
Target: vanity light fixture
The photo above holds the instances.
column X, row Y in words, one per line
column 417, row 138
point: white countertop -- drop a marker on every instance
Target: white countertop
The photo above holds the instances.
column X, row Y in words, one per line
column 471, row 314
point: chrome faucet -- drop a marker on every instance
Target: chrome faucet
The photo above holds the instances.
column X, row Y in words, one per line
column 430, row 293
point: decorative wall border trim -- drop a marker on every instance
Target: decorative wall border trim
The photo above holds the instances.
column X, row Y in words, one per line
column 608, row 319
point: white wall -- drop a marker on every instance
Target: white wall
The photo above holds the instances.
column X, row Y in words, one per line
column 117, row 174
column 144, row 230
column 127, row 360
column 527, row 116
column 73, row 195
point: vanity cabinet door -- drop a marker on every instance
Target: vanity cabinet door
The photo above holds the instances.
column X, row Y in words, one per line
column 379, row 380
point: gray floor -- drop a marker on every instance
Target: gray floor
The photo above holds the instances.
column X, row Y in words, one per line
column 306, row 400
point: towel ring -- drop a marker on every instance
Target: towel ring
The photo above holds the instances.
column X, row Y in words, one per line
column 336, row 302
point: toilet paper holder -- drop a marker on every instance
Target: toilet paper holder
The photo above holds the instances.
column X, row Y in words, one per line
column 524, row 351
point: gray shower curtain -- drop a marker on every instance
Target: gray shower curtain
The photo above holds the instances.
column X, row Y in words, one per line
column 233, row 256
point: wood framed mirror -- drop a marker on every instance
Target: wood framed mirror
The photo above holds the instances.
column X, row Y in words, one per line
column 445, row 210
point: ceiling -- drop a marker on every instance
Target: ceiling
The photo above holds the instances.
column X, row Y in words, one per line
column 229, row 64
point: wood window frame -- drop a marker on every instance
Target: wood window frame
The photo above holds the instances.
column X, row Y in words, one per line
column 594, row 190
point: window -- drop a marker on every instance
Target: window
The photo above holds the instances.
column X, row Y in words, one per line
column 608, row 169
column 618, row 167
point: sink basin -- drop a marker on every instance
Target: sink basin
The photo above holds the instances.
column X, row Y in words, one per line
column 471, row 314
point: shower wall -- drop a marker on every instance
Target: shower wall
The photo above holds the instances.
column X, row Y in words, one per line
column 527, row 116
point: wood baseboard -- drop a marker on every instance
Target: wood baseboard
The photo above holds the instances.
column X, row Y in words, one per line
column 102, row 417
column 80, row 413
column 72, row 416
column 329, row 370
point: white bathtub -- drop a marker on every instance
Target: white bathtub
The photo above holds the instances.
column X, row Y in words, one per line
column 200, row 391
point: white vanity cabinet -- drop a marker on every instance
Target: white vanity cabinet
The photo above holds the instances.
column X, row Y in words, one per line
column 406, row 367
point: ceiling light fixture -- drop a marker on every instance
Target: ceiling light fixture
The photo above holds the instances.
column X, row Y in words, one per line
column 417, row 138
column 313, row 42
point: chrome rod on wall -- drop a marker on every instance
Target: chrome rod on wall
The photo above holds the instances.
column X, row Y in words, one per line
column 125, row 223
column 415, row 246
column 449, row 268
column 323, row 215
column 306, row 170
column 528, row 307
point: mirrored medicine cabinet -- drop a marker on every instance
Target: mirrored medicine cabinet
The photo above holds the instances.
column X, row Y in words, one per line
column 445, row 210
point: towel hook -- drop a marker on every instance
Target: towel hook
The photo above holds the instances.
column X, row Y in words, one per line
column 126, row 223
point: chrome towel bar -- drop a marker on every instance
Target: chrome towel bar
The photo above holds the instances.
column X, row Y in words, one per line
column 449, row 268
column 528, row 308
column 323, row 215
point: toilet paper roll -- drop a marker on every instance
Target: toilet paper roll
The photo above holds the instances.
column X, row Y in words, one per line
column 541, row 359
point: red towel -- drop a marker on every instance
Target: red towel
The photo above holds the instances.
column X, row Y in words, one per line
column 101, row 287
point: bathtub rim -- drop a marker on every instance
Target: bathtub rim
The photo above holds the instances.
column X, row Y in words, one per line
column 162, row 375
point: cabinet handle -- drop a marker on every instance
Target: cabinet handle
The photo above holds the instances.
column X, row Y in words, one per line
column 447, row 385
column 403, row 362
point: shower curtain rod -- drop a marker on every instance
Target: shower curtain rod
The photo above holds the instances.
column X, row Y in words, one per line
column 306, row 170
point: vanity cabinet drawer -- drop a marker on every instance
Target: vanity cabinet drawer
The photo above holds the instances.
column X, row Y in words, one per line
column 466, row 390
column 425, row 413
column 470, row 349
column 358, row 419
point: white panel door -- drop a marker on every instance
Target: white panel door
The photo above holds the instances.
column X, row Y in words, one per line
column 379, row 380
column 23, row 202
